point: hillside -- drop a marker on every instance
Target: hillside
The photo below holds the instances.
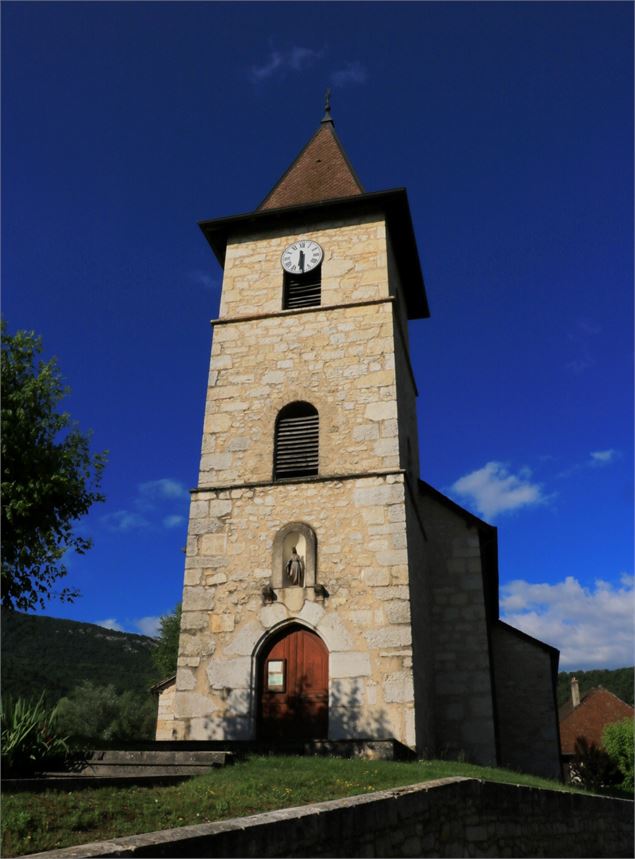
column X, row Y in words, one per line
column 46, row 653
column 619, row 681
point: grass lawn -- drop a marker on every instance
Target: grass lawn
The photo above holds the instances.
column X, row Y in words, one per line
column 32, row 822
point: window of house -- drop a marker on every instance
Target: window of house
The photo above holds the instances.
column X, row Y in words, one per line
column 296, row 445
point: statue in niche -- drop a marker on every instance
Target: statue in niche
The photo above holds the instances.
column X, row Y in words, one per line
column 295, row 568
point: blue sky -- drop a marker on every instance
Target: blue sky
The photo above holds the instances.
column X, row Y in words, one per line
column 510, row 124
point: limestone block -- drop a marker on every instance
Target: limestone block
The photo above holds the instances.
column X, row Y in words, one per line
column 192, row 576
column 312, row 613
column 398, row 687
column 389, row 636
column 197, row 598
column 213, row 544
column 382, row 411
column 199, row 508
column 229, row 673
column 377, row 496
column 363, row 617
column 191, row 620
column 397, row 611
column 216, row 461
column 397, row 592
column 185, row 679
column 272, row 614
column 375, row 577
column 212, row 578
column 238, row 443
column 244, row 641
column 365, row 432
column 191, row 704
column 334, row 633
column 222, row 622
column 349, row 664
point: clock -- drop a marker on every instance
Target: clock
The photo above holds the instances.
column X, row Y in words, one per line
column 302, row 256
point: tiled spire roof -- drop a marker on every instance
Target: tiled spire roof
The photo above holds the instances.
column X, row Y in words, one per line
column 320, row 172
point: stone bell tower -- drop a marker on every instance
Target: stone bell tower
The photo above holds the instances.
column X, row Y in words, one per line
column 329, row 592
column 309, row 450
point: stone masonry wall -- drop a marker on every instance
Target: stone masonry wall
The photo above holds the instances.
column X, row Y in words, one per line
column 463, row 696
column 527, row 715
column 365, row 622
column 354, row 267
column 445, row 818
column 342, row 361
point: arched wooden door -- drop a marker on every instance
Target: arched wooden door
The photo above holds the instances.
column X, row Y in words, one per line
column 294, row 681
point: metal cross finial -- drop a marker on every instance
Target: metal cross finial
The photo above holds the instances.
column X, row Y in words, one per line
column 327, row 107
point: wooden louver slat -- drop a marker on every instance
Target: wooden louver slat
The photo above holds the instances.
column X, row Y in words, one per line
column 303, row 290
column 296, row 446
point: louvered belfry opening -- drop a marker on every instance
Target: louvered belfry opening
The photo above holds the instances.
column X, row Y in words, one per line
column 303, row 290
column 297, row 441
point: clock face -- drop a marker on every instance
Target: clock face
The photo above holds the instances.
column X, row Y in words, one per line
column 302, row 256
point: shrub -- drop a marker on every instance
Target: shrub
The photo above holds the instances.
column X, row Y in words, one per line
column 31, row 741
column 100, row 714
column 618, row 740
column 592, row 767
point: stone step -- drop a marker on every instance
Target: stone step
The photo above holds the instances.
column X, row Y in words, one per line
column 132, row 771
column 166, row 758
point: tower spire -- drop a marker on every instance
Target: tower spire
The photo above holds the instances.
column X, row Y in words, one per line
column 327, row 107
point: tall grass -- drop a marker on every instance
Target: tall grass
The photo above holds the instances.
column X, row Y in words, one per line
column 30, row 741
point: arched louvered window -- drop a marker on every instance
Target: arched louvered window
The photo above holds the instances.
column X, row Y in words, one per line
column 296, row 444
column 302, row 290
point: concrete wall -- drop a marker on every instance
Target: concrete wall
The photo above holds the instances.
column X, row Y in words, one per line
column 526, row 707
column 447, row 818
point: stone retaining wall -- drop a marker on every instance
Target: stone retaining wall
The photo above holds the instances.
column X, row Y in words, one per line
column 445, row 818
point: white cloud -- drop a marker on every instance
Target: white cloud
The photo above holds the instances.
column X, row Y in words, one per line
column 124, row 520
column 164, row 488
column 151, row 500
column 352, row 73
column 592, row 627
column 110, row 623
column 597, row 459
column 173, row 521
column 604, row 457
column 148, row 625
column 492, row 489
column 296, row 59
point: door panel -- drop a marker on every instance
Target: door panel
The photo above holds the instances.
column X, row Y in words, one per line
column 294, row 687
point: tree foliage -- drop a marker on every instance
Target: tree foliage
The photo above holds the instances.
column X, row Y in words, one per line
column 100, row 714
column 53, row 655
column 618, row 740
column 50, row 478
column 167, row 650
column 593, row 767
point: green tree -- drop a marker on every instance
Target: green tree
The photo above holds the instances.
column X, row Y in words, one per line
column 49, row 476
column 167, row 650
column 99, row 714
column 618, row 740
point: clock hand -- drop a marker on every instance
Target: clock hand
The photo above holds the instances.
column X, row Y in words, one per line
column 301, row 260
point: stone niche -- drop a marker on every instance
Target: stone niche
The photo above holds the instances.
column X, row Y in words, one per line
column 299, row 537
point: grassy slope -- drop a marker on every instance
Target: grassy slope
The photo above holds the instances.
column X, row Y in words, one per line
column 36, row 822
column 46, row 653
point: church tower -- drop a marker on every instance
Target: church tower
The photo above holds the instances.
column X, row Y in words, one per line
column 329, row 593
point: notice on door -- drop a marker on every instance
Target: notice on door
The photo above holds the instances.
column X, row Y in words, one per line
column 275, row 675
